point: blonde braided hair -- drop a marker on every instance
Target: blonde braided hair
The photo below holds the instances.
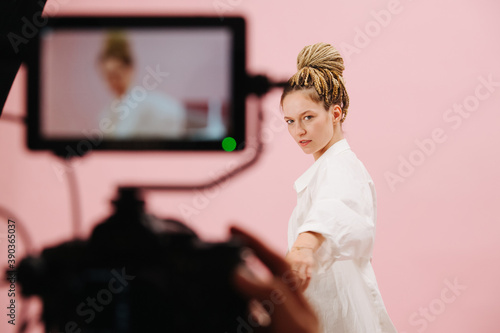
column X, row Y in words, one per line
column 116, row 45
column 320, row 66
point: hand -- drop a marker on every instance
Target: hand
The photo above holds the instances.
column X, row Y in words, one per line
column 288, row 309
column 302, row 262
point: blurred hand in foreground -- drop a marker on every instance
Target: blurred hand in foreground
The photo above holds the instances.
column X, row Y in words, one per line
column 276, row 305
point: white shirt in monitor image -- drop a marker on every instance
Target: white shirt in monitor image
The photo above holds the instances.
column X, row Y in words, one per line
column 144, row 116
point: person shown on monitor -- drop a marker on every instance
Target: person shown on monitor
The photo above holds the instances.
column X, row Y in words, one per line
column 136, row 111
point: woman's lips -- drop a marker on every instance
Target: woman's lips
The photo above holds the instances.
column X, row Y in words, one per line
column 304, row 142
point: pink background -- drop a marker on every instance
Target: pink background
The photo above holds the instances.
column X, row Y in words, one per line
column 406, row 69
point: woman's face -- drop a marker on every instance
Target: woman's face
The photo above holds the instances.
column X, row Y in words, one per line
column 312, row 127
column 118, row 75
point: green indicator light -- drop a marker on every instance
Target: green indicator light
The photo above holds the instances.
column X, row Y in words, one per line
column 228, row 144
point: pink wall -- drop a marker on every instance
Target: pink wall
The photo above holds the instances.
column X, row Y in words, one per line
column 411, row 67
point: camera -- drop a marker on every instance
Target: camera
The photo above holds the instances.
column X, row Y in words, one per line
column 136, row 273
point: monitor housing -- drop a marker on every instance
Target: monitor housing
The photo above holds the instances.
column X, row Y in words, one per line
column 193, row 65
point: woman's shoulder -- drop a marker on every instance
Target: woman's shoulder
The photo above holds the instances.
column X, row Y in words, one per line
column 344, row 166
column 343, row 161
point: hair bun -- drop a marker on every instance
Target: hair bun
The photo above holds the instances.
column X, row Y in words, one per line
column 320, row 66
column 116, row 45
column 321, row 56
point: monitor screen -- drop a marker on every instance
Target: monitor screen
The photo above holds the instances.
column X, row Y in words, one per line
column 137, row 83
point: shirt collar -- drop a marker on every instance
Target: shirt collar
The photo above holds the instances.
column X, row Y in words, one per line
column 305, row 178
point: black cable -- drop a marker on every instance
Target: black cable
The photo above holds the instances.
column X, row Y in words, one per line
column 234, row 172
column 71, row 179
column 73, row 183
column 19, row 227
column 74, row 194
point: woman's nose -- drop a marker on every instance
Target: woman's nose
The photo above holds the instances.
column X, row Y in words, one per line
column 299, row 130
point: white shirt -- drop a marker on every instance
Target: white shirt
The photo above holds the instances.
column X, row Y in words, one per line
column 336, row 197
column 152, row 115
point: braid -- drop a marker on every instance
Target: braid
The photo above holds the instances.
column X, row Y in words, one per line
column 116, row 45
column 320, row 66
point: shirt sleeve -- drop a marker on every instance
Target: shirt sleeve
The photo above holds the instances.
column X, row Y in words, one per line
column 341, row 211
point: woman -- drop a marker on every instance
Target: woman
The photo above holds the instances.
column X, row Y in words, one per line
column 136, row 111
column 331, row 230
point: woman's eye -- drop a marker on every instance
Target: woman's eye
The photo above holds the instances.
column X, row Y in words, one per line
column 289, row 121
column 307, row 117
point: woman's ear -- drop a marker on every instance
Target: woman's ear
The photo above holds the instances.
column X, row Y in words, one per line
column 336, row 112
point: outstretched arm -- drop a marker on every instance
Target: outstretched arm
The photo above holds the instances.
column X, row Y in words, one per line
column 301, row 256
column 291, row 312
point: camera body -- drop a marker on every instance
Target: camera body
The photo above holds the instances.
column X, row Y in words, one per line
column 136, row 273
